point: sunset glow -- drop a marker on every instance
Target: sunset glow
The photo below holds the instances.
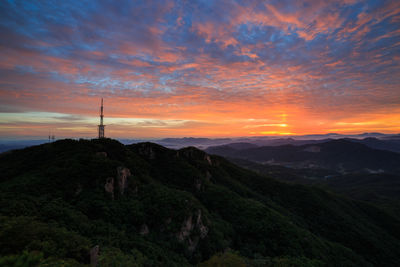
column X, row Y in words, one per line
column 199, row 68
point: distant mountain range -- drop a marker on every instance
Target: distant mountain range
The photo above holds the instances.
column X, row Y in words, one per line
column 382, row 141
column 342, row 155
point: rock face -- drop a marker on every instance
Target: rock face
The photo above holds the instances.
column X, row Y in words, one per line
column 208, row 159
column 193, row 153
column 94, row 256
column 202, row 228
column 144, row 230
column 122, row 179
column 199, row 183
column 109, row 186
column 188, row 226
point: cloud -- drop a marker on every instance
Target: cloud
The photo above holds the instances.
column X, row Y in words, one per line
column 205, row 62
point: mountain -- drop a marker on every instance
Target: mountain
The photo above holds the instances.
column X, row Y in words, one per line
column 379, row 188
column 306, row 176
column 388, row 144
column 382, row 189
column 384, row 141
column 70, row 202
column 338, row 155
column 10, row 145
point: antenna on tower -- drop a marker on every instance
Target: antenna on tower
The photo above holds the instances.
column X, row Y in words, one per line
column 101, row 126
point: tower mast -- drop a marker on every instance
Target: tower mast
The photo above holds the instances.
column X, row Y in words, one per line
column 101, row 126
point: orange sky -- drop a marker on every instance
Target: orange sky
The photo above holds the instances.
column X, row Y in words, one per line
column 202, row 69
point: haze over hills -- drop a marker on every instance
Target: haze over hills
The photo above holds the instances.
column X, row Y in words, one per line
column 387, row 140
column 342, row 155
column 375, row 140
column 147, row 205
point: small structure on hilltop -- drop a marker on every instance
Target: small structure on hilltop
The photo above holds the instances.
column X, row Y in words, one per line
column 52, row 137
column 101, row 125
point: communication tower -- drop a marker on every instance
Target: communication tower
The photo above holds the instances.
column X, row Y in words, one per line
column 101, row 125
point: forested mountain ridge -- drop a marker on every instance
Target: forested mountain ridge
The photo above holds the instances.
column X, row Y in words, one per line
column 146, row 205
column 339, row 155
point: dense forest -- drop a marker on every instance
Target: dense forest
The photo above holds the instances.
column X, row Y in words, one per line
column 341, row 155
column 75, row 203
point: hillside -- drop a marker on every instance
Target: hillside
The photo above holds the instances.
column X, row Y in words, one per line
column 382, row 189
column 338, row 155
column 71, row 202
column 382, row 144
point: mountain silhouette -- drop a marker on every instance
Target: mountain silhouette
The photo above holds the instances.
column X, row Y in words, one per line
column 74, row 202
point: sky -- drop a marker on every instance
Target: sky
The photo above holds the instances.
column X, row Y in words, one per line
column 209, row 68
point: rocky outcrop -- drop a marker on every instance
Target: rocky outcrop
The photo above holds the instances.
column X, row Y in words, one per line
column 192, row 243
column 199, row 224
column 94, row 256
column 144, row 230
column 122, row 178
column 109, row 186
column 121, row 182
column 198, row 155
column 199, row 182
column 208, row 159
column 190, row 225
column 186, row 229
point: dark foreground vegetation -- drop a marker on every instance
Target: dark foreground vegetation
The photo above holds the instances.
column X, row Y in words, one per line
column 72, row 202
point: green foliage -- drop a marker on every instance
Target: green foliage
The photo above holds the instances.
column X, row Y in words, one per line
column 25, row 233
column 22, row 260
column 114, row 257
column 35, row 258
column 224, row 259
column 180, row 208
column 294, row 262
